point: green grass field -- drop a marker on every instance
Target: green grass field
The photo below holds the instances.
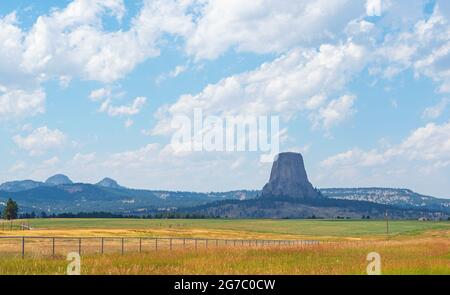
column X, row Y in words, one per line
column 203, row 228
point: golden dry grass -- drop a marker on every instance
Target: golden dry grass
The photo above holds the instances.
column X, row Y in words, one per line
column 423, row 256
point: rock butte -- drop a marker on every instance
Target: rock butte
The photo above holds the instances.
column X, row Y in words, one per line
column 288, row 178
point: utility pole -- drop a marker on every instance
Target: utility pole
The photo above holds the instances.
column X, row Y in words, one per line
column 387, row 223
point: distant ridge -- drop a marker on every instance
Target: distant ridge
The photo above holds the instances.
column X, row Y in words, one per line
column 20, row 185
column 60, row 195
column 401, row 197
column 289, row 194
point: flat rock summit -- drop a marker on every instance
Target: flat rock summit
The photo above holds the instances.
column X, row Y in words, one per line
column 288, row 178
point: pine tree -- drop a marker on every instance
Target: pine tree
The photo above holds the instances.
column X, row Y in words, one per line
column 11, row 210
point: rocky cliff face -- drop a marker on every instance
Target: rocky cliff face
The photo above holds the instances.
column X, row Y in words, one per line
column 288, row 178
column 110, row 183
column 58, row 179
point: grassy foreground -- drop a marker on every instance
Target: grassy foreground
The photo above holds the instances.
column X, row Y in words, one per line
column 412, row 247
column 424, row 256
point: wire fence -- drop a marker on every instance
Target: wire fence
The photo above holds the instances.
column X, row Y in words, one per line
column 61, row 246
column 14, row 225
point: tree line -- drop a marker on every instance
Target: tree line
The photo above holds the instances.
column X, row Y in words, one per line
column 11, row 211
column 115, row 215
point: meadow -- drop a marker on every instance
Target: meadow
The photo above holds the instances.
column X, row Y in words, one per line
column 412, row 247
column 231, row 228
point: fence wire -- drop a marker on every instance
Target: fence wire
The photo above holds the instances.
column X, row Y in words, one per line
column 29, row 246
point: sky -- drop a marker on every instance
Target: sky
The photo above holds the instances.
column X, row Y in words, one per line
column 89, row 88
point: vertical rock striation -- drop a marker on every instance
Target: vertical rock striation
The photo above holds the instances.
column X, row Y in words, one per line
column 288, row 178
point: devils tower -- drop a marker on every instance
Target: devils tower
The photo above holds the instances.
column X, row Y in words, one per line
column 288, row 178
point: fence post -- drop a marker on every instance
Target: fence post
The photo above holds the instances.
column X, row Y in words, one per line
column 23, row 247
column 184, row 242
column 140, row 245
column 170, row 244
column 102, row 246
column 122, row 245
column 206, row 244
column 79, row 246
column 156, row 244
column 195, row 244
column 217, row 243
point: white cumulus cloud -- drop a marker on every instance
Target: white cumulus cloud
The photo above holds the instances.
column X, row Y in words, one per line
column 335, row 112
column 435, row 111
column 284, row 86
column 430, row 143
column 15, row 103
column 268, row 26
column 40, row 140
column 125, row 110
column 72, row 42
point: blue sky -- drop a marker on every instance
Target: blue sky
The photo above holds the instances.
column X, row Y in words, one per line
column 89, row 88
